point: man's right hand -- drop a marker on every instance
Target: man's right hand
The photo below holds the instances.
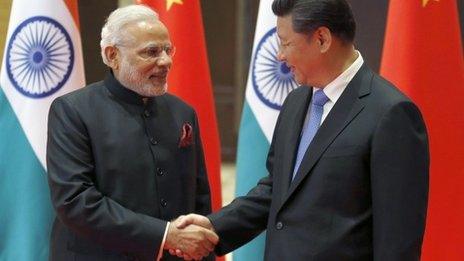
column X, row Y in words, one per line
column 193, row 241
column 195, row 219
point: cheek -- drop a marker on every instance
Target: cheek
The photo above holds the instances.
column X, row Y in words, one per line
column 297, row 60
column 141, row 66
column 307, row 62
column 298, row 76
column 290, row 56
column 146, row 69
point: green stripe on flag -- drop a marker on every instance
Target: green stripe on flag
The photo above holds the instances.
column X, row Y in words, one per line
column 251, row 166
column 26, row 213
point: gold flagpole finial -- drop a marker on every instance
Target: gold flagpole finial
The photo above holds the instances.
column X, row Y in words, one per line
column 169, row 3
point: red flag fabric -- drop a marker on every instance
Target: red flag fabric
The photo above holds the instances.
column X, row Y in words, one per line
column 423, row 56
column 189, row 77
column 74, row 10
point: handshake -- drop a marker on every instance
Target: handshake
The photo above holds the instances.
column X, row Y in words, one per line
column 191, row 237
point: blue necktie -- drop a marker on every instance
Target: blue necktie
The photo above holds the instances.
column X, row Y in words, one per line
column 311, row 127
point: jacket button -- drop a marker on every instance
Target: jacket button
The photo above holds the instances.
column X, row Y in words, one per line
column 161, row 172
column 146, row 113
column 279, row 225
column 164, row 203
column 153, row 141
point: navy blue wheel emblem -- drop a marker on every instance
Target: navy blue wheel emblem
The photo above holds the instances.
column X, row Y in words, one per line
column 272, row 80
column 40, row 57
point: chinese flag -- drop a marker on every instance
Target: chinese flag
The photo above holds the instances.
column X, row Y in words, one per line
column 189, row 77
column 423, row 56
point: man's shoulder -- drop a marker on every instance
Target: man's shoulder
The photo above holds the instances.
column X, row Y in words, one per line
column 298, row 94
column 300, row 90
column 383, row 91
column 87, row 92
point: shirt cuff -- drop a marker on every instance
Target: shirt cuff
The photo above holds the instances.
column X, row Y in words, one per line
column 160, row 252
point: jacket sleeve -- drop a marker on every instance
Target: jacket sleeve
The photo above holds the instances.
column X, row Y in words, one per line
column 399, row 180
column 246, row 217
column 78, row 202
column 243, row 219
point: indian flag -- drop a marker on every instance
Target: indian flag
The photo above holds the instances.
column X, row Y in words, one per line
column 269, row 82
column 42, row 60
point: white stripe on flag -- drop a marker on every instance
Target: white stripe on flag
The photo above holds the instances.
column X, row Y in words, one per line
column 269, row 80
column 25, row 61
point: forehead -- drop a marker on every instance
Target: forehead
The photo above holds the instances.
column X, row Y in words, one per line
column 284, row 26
column 148, row 32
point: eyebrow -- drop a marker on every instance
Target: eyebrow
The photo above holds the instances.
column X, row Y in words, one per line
column 153, row 45
column 150, row 45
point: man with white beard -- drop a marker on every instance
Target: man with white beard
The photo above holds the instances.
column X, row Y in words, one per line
column 124, row 157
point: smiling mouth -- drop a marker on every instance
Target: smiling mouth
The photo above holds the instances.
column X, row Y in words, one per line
column 158, row 76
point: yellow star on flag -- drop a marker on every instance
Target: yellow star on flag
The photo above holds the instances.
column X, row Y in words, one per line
column 169, row 3
column 425, row 2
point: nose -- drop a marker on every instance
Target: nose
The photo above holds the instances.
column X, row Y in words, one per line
column 280, row 55
column 164, row 60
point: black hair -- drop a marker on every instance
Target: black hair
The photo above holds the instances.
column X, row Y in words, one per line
column 308, row 15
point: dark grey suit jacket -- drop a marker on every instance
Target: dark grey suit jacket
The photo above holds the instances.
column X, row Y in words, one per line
column 361, row 190
column 117, row 173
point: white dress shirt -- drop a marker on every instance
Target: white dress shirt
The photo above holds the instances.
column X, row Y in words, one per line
column 335, row 88
column 160, row 252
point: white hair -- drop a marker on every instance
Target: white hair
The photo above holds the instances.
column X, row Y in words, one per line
column 112, row 32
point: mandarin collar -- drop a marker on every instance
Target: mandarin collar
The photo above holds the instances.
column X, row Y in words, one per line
column 123, row 93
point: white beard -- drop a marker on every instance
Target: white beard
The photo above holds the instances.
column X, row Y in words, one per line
column 133, row 80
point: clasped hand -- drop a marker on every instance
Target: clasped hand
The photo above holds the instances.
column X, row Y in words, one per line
column 191, row 237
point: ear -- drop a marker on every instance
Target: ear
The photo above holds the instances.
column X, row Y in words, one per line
column 112, row 56
column 324, row 38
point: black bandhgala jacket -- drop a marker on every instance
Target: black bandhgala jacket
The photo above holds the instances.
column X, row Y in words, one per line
column 119, row 169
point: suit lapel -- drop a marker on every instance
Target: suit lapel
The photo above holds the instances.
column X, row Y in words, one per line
column 347, row 107
column 291, row 147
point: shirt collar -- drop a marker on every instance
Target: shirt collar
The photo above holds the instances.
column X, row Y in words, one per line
column 122, row 92
column 334, row 89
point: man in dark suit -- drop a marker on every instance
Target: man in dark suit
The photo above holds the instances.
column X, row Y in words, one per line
column 348, row 164
column 124, row 157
